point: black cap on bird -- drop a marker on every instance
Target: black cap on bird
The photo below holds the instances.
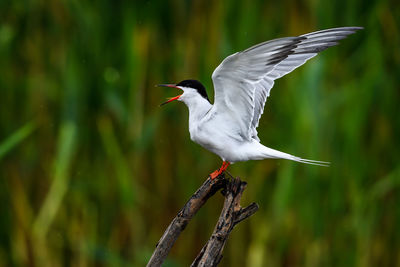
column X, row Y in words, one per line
column 188, row 84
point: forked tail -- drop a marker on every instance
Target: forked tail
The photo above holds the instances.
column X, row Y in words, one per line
column 311, row 162
column 272, row 153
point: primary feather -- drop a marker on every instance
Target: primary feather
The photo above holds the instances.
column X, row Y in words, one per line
column 242, row 82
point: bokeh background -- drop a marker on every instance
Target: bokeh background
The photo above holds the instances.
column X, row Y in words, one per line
column 92, row 170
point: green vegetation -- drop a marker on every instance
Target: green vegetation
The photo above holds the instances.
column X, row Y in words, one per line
column 92, row 170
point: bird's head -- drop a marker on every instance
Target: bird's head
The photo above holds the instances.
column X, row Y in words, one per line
column 192, row 90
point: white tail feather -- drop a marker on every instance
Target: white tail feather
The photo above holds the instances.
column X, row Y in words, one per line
column 312, row 162
column 272, row 153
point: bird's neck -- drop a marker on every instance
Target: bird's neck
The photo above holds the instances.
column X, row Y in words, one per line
column 197, row 110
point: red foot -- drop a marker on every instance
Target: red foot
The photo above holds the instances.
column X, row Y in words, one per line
column 216, row 173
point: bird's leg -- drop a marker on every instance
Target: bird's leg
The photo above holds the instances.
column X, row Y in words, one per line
column 215, row 173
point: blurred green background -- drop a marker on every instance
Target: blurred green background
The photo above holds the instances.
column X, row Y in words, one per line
column 92, row 170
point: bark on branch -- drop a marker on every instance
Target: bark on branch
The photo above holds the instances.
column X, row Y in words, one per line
column 231, row 214
column 178, row 224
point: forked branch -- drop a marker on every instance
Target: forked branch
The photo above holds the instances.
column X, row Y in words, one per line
column 178, row 224
column 231, row 214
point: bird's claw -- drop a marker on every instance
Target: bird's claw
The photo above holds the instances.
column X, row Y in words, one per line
column 215, row 174
column 218, row 172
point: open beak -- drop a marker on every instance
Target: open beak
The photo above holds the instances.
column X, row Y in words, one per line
column 171, row 98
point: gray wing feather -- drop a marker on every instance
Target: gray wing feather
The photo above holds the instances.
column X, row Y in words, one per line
column 308, row 47
column 243, row 81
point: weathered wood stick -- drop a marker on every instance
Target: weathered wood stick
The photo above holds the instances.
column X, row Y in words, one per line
column 178, row 224
column 231, row 215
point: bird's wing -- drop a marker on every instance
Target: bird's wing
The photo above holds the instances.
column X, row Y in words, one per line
column 242, row 81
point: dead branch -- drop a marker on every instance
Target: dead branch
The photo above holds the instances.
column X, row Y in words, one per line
column 178, row 224
column 232, row 214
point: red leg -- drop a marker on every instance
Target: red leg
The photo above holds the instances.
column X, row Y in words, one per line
column 226, row 166
column 214, row 174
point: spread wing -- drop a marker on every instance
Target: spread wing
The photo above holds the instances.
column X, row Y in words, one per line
column 242, row 81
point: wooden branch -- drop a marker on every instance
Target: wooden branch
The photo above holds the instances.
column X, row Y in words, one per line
column 178, row 224
column 231, row 215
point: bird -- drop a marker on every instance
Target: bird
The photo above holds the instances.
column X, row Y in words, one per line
column 242, row 84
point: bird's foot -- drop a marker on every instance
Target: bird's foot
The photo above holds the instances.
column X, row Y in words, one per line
column 216, row 173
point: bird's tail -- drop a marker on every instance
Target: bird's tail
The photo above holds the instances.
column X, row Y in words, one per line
column 311, row 162
column 272, row 153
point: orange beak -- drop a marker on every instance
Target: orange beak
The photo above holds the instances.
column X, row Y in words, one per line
column 171, row 98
